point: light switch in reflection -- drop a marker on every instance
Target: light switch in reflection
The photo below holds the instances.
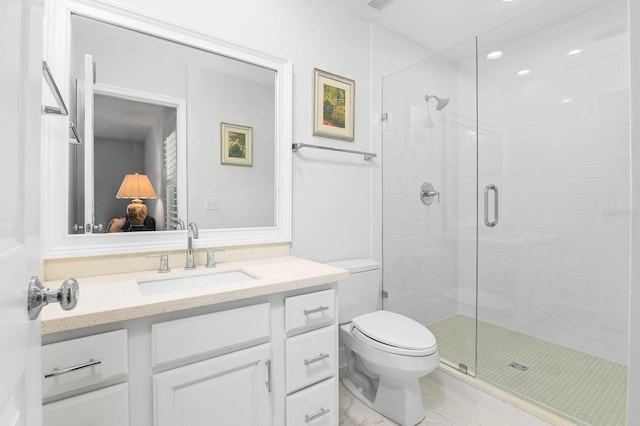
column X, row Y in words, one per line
column 211, row 204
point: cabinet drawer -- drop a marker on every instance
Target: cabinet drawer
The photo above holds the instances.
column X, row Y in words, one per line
column 311, row 357
column 309, row 311
column 210, row 333
column 77, row 363
column 104, row 407
column 315, row 406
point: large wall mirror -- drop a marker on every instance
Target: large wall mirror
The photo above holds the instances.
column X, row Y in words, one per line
column 175, row 126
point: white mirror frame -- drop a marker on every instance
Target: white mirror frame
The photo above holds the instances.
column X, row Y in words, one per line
column 55, row 140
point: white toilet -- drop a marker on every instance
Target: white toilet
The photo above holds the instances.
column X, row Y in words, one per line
column 386, row 353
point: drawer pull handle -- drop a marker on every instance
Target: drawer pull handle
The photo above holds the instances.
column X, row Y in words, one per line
column 316, row 359
column 59, row 372
column 316, row 310
column 268, row 383
column 322, row 412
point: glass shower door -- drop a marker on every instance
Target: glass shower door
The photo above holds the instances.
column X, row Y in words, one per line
column 553, row 201
column 429, row 205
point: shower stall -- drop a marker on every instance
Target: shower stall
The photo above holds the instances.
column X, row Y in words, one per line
column 506, row 206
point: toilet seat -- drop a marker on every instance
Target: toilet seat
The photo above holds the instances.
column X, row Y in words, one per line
column 394, row 333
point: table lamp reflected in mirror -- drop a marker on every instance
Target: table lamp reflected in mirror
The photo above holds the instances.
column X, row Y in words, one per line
column 136, row 187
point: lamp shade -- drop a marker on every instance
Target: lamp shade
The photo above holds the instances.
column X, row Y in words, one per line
column 136, row 186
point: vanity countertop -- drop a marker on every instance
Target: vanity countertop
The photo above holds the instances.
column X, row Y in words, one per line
column 116, row 297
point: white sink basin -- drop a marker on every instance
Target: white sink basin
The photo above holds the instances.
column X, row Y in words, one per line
column 166, row 285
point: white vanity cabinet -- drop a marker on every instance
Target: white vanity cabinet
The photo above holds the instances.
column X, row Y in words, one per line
column 261, row 361
column 231, row 389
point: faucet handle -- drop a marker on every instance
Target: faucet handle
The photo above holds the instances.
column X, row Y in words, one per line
column 164, row 262
column 210, row 258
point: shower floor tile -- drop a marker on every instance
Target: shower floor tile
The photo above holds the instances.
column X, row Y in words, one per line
column 588, row 389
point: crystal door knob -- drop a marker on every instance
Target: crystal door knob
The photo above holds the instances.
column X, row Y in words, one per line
column 40, row 296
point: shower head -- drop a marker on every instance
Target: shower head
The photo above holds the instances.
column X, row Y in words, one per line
column 441, row 102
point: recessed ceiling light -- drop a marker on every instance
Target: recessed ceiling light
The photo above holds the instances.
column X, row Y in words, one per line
column 523, row 73
column 495, row 55
column 575, row 52
column 566, row 101
column 507, row 1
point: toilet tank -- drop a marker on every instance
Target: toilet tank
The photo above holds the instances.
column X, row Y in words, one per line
column 360, row 293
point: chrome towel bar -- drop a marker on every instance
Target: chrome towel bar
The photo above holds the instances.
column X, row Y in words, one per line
column 367, row 155
column 61, row 109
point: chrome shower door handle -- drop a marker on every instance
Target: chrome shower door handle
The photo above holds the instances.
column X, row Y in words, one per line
column 491, row 187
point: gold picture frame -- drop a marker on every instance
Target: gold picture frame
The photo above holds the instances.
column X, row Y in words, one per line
column 236, row 144
column 333, row 105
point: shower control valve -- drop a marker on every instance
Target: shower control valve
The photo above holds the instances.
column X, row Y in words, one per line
column 428, row 193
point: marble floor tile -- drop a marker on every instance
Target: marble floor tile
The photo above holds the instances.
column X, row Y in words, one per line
column 443, row 407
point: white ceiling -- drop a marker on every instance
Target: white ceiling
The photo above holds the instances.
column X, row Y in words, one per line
column 441, row 24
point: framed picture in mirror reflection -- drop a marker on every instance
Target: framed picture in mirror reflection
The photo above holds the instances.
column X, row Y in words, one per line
column 236, row 144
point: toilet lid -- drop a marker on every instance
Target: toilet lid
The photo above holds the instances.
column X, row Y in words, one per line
column 395, row 330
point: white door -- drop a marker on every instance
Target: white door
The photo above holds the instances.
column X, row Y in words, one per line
column 20, row 95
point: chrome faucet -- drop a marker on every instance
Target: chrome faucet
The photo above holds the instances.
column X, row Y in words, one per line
column 192, row 232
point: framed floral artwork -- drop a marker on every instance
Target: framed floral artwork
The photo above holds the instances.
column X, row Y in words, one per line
column 333, row 106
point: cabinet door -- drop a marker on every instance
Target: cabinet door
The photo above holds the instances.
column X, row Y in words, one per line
column 230, row 390
column 104, row 407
